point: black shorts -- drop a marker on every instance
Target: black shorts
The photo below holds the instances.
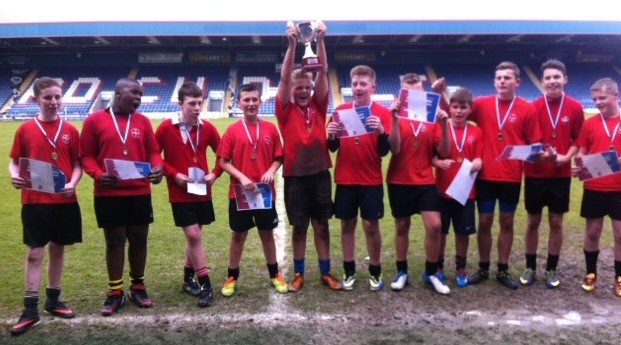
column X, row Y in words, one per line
column 242, row 221
column 508, row 193
column 596, row 204
column 370, row 200
column 58, row 223
column 115, row 211
column 308, row 197
column 551, row 192
column 407, row 200
column 190, row 213
column 462, row 216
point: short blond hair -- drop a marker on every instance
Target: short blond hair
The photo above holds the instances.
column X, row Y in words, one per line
column 363, row 70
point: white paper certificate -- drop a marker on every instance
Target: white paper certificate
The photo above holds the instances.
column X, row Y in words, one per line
column 127, row 170
column 462, row 184
column 520, row 152
column 197, row 184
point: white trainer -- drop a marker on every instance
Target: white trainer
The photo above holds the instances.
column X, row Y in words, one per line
column 400, row 281
column 439, row 286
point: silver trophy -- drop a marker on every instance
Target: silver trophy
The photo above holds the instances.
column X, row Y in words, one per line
column 307, row 33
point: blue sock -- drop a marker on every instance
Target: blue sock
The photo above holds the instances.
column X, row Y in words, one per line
column 299, row 265
column 324, row 266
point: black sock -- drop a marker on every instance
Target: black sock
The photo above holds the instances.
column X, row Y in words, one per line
column 552, row 262
column 204, row 282
column 503, row 267
column 136, row 280
column 617, row 268
column 460, row 262
column 484, row 265
column 531, row 261
column 188, row 273
column 591, row 261
column 273, row 270
column 431, row 268
column 234, row 272
column 402, row 266
column 375, row 270
column 441, row 263
column 52, row 294
column 349, row 267
column 31, row 302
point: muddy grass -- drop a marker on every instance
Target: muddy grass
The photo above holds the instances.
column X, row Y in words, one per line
column 481, row 314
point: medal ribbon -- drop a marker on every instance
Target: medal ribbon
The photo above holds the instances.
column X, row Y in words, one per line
column 53, row 141
column 188, row 134
column 501, row 120
column 460, row 147
column 554, row 120
column 253, row 143
column 614, row 134
column 416, row 131
column 123, row 137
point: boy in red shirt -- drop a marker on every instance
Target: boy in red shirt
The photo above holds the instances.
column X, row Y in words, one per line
column 358, row 176
column 412, row 186
column 466, row 143
column 548, row 183
column 122, row 207
column 308, row 186
column 51, row 219
column 184, row 140
column 505, row 119
column 251, row 152
column 601, row 196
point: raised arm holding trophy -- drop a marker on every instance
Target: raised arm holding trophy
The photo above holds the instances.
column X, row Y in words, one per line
column 307, row 33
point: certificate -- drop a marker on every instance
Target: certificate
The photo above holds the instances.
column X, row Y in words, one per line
column 354, row 121
column 258, row 199
column 197, row 184
column 525, row 153
column 597, row 165
column 462, row 184
column 41, row 176
column 419, row 105
column 127, row 170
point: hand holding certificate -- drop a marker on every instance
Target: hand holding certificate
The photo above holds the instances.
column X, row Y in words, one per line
column 127, row 170
column 258, row 199
column 41, row 176
column 462, row 184
column 597, row 165
column 196, row 184
column 419, row 105
column 353, row 121
column 521, row 152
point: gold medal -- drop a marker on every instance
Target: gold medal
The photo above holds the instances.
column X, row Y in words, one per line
column 309, row 129
column 54, row 155
column 500, row 136
column 253, row 156
column 554, row 135
column 195, row 159
column 612, row 148
column 416, row 142
column 125, row 151
column 357, row 140
column 460, row 159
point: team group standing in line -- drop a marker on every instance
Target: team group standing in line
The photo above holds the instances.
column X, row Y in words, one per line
column 251, row 152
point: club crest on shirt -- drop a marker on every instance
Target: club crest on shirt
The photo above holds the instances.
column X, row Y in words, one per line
column 471, row 139
column 135, row 133
column 65, row 138
column 513, row 118
column 267, row 139
column 565, row 120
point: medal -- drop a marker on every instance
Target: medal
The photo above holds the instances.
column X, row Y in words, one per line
column 458, row 145
column 253, row 143
column 52, row 141
column 357, row 140
column 554, row 120
column 502, row 120
column 415, row 132
column 123, row 137
column 188, row 134
column 614, row 133
column 195, row 159
column 308, row 129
